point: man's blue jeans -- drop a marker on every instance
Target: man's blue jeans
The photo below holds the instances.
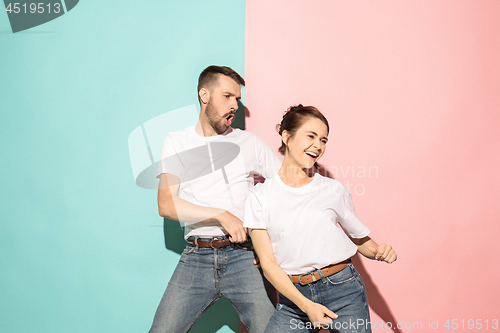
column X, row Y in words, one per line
column 202, row 276
column 343, row 293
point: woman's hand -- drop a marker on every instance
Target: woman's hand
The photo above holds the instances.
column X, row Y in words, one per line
column 371, row 250
column 319, row 315
column 384, row 252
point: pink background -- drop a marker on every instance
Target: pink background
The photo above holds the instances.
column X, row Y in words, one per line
column 411, row 89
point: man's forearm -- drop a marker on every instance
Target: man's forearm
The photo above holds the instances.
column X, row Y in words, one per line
column 175, row 208
column 179, row 209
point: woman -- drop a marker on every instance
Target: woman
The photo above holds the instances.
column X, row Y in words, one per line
column 303, row 253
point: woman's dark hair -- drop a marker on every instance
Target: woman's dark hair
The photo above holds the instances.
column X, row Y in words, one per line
column 294, row 117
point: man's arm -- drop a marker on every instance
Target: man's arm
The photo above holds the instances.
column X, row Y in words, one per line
column 175, row 208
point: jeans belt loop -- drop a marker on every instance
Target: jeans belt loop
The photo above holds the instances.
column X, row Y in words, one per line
column 196, row 243
column 321, row 275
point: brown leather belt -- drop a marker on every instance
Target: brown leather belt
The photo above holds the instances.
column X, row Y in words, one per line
column 214, row 243
column 307, row 278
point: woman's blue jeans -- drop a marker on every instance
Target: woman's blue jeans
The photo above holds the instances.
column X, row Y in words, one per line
column 202, row 276
column 343, row 293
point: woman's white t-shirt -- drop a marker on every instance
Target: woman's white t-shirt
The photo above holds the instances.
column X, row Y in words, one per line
column 302, row 222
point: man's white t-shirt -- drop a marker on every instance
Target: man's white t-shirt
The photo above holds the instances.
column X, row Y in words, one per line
column 216, row 171
column 302, row 222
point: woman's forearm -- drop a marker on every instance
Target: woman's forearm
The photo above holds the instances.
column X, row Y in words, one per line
column 370, row 249
column 273, row 272
column 364, row 245
column 280, row 280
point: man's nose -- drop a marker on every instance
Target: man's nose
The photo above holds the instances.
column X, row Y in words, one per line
column 234, row 105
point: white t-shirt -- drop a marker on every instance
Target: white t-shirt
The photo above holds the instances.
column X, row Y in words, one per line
column 302, row 222
column 216, row 171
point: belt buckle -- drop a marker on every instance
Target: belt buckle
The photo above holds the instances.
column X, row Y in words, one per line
column 214, row 239
column 312, row 275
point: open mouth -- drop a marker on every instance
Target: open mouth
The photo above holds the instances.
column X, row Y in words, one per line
column 229, row 119
column 312, row 155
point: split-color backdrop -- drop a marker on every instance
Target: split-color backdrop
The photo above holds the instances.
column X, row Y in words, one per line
column 411, row 90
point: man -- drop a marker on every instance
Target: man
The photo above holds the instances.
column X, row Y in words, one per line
column 205, row 174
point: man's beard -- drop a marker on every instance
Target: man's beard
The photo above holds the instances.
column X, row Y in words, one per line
column 219, row 125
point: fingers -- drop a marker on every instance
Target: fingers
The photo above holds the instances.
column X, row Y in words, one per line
column 386, row 253
column 320, row 315
column 380, row 255
column 242, row 236
column 392, row 257
column 234, row 227
column 239, row 236
column 324, row 323
column 331, row 314
column 256, row 262
column 237, row 232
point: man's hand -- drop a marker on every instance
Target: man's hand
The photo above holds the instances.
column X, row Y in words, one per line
column 320, row 315
column 384, row 252
column 233, row 226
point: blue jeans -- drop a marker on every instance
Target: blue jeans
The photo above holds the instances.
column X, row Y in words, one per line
column 202, row 276
column 343, row 293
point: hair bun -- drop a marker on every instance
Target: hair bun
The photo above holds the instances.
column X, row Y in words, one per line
column 294, row 108
column 278, row 128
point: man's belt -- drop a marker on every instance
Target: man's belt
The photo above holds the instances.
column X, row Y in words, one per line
column 214, row 243
column 307, row 278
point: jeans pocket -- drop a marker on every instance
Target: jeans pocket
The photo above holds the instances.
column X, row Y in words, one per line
column 344, row 276
column 188, row 250
column 289, row 310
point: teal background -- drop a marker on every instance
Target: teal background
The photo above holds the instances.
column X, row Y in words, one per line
column 81, row 245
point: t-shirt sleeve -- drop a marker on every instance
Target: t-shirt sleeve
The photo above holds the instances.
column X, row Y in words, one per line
column 254, row 213
column 169, row 160
column 349, row 220
column 269, row 163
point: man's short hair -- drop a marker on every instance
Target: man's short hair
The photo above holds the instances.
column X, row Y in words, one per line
column 209, row 77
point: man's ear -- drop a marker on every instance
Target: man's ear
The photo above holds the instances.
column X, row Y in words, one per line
column 204, row 94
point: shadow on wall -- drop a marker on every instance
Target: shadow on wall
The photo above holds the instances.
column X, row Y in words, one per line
column 221, row 312
column 376, row 301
